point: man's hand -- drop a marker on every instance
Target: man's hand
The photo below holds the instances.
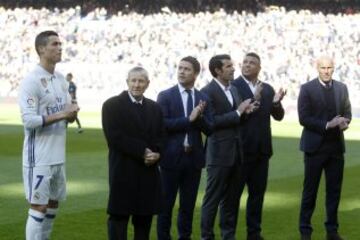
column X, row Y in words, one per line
column 71, row 111
column 279, row 96
column 252, row 107
column 338, row 121
column 245, row 105
column 257, row 93
column 150, row 157
column 197, row 111
column 344, row 123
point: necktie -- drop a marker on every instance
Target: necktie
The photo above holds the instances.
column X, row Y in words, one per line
column 327, row 84
column 190, row 104
column 189, row 108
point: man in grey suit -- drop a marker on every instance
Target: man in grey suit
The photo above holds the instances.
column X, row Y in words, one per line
column 324, row 112
column 224, row 150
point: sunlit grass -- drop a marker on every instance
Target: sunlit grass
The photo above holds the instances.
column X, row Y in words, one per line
column 83, row 215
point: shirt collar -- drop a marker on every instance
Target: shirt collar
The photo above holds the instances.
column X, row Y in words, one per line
column 223, row 87
column 133, row 100
column 182, row 89
column 44, row 71
column 324, row 84
column 250, row 82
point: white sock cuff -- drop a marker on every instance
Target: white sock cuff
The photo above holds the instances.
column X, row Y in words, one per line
column 51, row 212
column 36, row 213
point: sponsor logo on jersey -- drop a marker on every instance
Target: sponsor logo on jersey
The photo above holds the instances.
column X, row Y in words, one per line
column 43, row 82
column 30, row 102
column 55, row 109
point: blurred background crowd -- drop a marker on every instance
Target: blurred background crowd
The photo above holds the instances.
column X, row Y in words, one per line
column 102, row 40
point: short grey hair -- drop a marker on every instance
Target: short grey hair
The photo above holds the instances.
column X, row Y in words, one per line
column 138, row 69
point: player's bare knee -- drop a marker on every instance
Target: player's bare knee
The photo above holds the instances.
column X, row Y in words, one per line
column 39, row 208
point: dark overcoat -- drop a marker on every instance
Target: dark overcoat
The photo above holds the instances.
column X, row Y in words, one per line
column 135, row 189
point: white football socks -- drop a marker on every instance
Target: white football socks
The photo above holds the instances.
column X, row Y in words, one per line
column 34, row 225
column 48, row 222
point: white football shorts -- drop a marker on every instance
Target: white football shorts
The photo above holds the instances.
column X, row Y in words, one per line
column 42, row 183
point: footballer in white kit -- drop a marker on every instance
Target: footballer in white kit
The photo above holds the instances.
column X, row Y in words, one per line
column 46, row 107
column 43, row 94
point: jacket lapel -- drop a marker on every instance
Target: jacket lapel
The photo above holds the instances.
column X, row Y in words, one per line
column 178, row 101
column 134, row 114
column 337, row 96
column 221, row 95
column 236, row 96
column 197, row 97
column 247, row 91
column 319, row 90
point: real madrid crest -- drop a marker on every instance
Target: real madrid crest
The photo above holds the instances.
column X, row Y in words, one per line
column 37, row 196
column 43, row 82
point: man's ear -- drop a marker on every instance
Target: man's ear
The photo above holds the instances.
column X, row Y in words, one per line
column 41, row 50
column 218, row 71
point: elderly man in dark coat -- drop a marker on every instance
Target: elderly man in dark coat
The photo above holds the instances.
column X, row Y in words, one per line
column 133, row 127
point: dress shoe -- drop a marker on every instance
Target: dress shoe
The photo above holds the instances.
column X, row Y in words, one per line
column 256, row 236
column 333, row 236
column 305, row 237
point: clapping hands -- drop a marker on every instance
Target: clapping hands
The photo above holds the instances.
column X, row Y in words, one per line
column 279, row 95
column 197, row 111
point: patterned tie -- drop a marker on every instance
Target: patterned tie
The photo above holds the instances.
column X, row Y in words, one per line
column 189, row 109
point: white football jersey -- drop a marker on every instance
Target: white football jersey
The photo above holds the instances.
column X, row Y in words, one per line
column 42, row 94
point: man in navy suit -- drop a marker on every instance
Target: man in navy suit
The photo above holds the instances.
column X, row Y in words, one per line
column 324, row 112
column 223, row 150
column 186, row 115
column 256, row 137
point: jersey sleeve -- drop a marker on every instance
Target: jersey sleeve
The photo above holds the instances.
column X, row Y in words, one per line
column 29, row 105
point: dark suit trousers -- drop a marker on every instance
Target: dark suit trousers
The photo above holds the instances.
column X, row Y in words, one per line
column 254, row 174
column 118, row 224
column 185, row 181
column 221, row 190
column 333, row 165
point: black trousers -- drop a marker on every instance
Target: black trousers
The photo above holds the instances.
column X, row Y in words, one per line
column 185, row 181
column 221, row 193
column 118, row 224
column 254, row 174
column 333, row 166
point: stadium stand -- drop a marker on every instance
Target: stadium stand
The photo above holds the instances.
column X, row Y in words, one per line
column 101, row 44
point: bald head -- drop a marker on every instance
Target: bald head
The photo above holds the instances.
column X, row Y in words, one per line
column 325, row 68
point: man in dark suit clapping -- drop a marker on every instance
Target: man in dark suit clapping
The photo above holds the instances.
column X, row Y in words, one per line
column 324, row 112
column 256, row 136
column 223, row 151
column 186, row 116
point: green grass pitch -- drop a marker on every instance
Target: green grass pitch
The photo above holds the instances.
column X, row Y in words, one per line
column 83, row 214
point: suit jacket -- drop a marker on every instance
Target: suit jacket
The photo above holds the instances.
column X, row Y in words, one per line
column 256, row 129
column 134, row 187
column 225, row 141
column 177, row 125
column 313, row 113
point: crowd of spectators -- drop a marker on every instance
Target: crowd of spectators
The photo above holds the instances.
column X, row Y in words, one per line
column 155, row 6
column 99, row 48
